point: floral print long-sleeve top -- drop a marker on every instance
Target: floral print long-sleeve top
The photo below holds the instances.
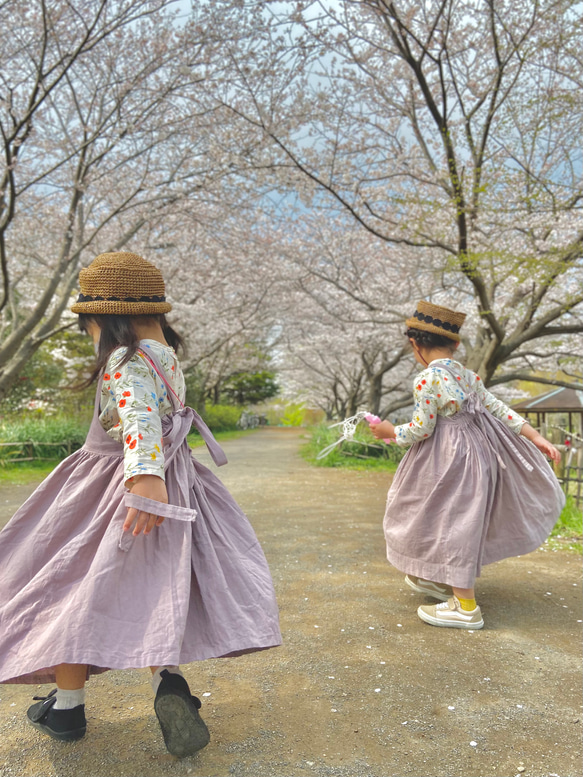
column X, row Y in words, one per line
column 436, row 392
column 133, row 401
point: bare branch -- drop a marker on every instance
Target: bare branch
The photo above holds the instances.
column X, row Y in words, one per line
column 526, row 376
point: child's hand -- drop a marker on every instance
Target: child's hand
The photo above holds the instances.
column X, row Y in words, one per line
column 383, row 430
column 547, row 448
column 541, row 443
column 152, row 487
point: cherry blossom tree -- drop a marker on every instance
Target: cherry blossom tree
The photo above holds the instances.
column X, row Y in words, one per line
column 106, row 132
column 225, row 286
column 442, row 127
column 302, row 173
column 343, row 345
column 342, row 369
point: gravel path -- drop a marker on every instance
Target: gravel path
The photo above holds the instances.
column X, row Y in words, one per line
column 361, row 686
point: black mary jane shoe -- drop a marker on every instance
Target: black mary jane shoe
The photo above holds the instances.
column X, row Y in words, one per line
column 64, row 725
column 183, row 729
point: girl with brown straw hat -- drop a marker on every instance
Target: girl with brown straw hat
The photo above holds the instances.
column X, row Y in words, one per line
column 131, row 553
column 474, row 486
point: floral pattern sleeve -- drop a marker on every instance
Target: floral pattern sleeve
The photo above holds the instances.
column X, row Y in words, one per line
column 132, row 414
column 424, row 417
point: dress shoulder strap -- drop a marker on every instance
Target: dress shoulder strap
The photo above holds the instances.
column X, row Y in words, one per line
column 152, row 359
column 215, row 450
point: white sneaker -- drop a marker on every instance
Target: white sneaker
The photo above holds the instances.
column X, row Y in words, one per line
column 436, row 590
column 451, row 615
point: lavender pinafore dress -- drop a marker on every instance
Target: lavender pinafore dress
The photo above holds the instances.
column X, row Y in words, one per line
column 471, row 494
column 76, row 589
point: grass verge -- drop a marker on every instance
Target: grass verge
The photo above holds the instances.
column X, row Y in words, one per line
column 380, row 457
column 26, row 472
column 21, row 473
column 195, row 440
column 568, row 531
column 53, row 437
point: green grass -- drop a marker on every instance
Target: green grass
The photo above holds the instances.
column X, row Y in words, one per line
column 383, row 459
column 20, row 474
column 195, row 440
column 570, row 521
column 56, row 428
column 568, row 531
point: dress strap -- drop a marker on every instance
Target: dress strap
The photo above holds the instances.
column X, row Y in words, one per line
column 215, row 450
column 176, row 401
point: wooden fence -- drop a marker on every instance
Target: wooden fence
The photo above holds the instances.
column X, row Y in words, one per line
column 572, row 479
column 28, row 450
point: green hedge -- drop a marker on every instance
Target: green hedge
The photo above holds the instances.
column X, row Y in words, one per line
column 65, row 433
column 221, row 418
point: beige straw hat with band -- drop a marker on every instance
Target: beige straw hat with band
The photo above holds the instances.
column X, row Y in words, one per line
column 123, row 284
column 437, row 319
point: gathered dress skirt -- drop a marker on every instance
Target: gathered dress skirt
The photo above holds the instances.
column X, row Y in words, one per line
column 76, row 589
column 470, row 494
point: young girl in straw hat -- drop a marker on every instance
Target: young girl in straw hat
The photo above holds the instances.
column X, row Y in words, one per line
column 131, row 553
column 472, row 488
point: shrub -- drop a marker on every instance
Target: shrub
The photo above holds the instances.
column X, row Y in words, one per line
column 293, row 415
column 221, row 418
column 250, row 388
column 65, row 434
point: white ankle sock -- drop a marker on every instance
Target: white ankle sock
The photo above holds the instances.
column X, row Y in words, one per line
column 157, row 679
column 68, row 700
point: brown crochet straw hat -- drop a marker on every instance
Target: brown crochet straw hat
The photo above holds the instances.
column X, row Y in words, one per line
column 437, row 319
column 121, row 283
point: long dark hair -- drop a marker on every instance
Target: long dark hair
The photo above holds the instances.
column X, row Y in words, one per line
column 119, row 331
column 431, row 339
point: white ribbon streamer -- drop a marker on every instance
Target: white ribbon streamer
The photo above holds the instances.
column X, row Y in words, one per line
column 348, row 429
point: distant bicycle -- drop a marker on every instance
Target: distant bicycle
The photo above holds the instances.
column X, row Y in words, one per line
column 248, row 420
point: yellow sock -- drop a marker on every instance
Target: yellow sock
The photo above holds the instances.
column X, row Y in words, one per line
column 467, row 604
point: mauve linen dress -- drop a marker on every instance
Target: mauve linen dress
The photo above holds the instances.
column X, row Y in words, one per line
column 470, row 494
column 76, row 589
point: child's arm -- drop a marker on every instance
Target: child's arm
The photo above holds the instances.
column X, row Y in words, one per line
column 541, row 442
column 424, row 417
column 514, row 421
column 137, row 397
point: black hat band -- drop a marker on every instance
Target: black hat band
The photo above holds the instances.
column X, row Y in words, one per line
column 88, row 298
column 454, row 328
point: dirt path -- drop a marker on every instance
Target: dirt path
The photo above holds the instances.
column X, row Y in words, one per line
column 361, row 686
